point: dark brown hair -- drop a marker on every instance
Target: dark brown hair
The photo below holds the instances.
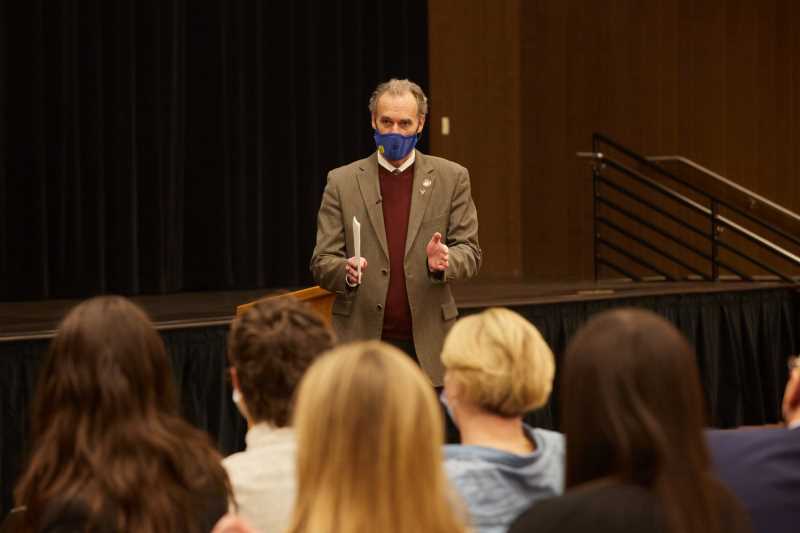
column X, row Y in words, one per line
column 271, row 346
column 107, row 440
column 632, row 410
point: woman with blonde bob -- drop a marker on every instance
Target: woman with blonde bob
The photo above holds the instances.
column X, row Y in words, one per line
column 369, row 437
column 498, row 368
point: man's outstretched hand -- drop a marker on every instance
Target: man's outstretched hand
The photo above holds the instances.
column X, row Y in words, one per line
column 438, row 254
column 352, row 271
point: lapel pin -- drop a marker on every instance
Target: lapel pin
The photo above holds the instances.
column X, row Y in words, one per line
column 425, row 184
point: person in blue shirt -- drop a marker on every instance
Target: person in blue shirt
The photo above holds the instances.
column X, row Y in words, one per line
column 498, row 368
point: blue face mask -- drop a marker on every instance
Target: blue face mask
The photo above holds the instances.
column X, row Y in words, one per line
column 394, row 146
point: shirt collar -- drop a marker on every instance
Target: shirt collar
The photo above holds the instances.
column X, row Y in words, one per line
column 262, row 433
column 391, row 168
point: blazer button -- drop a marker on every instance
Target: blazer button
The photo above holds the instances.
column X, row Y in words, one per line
column 380, row 307
column 385, row 272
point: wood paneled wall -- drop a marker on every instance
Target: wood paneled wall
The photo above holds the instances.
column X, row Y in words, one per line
column 475, row 82
column 716, row 81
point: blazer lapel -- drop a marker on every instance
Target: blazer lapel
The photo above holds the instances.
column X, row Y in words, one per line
column 370, row 188
column 421, row 192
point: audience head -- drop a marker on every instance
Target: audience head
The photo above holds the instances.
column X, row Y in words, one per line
column 107, row 444
column 269, row 348
column 633, row 410
column 106, row 365
column 497, row 361
column 791, row 395
column 369, row 433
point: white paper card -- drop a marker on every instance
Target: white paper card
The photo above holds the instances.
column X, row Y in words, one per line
column 357, row 245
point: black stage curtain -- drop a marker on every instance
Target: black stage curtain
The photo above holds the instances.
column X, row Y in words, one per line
column 742, row 341
column 150, row 146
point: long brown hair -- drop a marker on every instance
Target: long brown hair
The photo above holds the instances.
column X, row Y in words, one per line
column 369, row 434
column 633, row 410
column 108, row 443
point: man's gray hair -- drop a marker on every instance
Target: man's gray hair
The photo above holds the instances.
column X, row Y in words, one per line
column 397, row 87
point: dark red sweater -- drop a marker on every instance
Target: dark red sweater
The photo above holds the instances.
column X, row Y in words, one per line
column 396, row 194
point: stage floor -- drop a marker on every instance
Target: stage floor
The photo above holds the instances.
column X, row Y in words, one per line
column 38, row 319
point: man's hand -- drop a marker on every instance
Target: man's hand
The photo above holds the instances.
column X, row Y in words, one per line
column 438, row 254
column 352, row 271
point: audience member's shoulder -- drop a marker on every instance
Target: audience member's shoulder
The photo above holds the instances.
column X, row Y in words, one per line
column 464, row 463
column 549, row 437
column 598, row 507
column 460, row 459
column 747, row 437
column 237, row 461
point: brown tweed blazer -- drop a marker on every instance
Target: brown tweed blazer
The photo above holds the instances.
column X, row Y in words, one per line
column 440, row 201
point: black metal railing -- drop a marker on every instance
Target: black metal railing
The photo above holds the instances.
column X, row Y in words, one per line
column 631, row 192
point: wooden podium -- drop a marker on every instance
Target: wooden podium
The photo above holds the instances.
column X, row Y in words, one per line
column 318, row 298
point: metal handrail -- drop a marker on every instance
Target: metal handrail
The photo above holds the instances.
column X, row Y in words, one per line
column 652, row 227
column 756, row 262
column 727, row 183
column 635, row 259
column 622, row 231
column 697, row 208
column 711, row 213
column 691, row 204
column 651, row 205
column 664, row 172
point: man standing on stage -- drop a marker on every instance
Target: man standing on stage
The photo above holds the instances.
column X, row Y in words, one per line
column 418, row 228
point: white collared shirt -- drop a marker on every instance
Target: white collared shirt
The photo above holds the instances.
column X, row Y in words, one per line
column 391, row 168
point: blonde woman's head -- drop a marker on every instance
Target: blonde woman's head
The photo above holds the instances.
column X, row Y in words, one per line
column 369, row 436
column 498, row 361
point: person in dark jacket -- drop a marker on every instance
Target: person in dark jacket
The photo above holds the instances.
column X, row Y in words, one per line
column 762, row 466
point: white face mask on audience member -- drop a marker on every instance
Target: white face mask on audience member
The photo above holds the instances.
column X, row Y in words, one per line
column 238, row 398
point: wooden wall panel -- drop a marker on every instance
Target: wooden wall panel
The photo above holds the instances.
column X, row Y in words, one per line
column 474, row 80
column 544, row 106
column 715, row 81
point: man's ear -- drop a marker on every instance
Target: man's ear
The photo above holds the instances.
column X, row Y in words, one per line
column 421, row 124
column 374, row 124
column 452, row 388
column 234, row 378
column 791, row 398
